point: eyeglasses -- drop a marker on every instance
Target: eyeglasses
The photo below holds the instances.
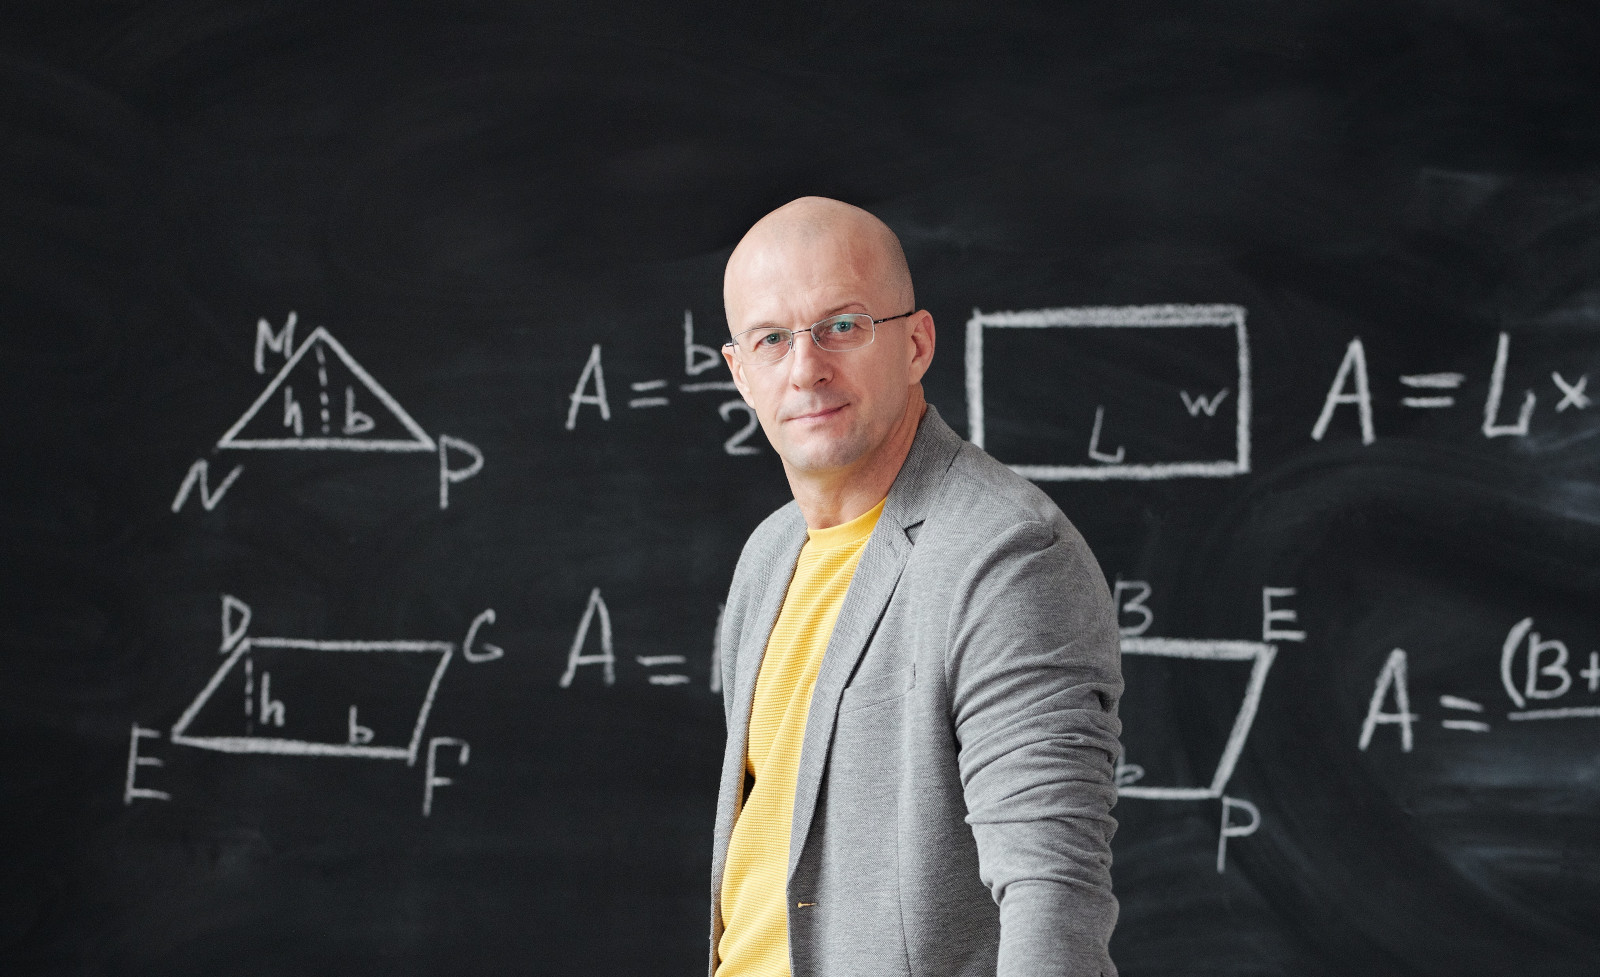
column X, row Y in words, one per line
column 836, row 334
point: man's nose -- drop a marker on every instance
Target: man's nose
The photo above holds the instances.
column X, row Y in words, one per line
column 809, row 365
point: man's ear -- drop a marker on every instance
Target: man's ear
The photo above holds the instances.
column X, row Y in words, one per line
column 922, row 343
column 737, row 369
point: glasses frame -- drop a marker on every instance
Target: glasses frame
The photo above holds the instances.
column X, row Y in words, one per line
column 738, row 351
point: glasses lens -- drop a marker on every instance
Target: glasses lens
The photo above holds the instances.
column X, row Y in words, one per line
column 849, row 331
column 764, row 345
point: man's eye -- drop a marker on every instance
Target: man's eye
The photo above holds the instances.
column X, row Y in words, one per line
column 839, row 326
column 769, row 339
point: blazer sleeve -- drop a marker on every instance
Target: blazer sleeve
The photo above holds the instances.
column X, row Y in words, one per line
column 1035, row 674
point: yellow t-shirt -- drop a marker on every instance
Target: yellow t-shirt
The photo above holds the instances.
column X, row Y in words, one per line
column 755, row 907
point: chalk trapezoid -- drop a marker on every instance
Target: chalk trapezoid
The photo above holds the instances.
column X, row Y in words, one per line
column 1260, row 655
column 318, row 429
column 251, row 743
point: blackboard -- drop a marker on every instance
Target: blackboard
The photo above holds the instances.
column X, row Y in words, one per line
column 312, row 488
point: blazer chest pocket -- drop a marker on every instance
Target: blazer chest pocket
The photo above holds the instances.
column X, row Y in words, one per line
column 878, row 688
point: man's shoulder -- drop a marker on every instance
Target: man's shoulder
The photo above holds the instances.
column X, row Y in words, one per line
column 965, row 490
column 981, row 496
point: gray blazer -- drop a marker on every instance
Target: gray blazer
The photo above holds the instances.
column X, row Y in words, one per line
column 952, row 815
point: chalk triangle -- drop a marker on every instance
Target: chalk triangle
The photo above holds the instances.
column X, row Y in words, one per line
column 323, row 400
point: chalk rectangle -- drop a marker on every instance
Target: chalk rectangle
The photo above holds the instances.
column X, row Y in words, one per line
column 1180, row 410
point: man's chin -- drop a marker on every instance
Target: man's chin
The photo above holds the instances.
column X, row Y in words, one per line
column 823, row 454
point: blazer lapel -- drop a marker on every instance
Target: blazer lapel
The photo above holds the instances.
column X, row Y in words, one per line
column 873, row 585
column 752, row 648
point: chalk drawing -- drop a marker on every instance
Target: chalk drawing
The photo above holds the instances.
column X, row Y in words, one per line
column 641, row 387
column 1199, row 404
column 489, row 652
column 1431, row 381
column 1572, row 391
column 1565, row 712
column 1352, row 368
column 432, row 780
column 1351, row 386
column 1233, row 830
column 593, row 374
column 656, row 661
column 1129, row 777
column 697, row 358
column 281, row 342
column 1259, row 654
column 654, row 393
column 665, row 669
column 1535, row 670
column 1133, row 605
column 1546, row 674
column 209, row 497
column 130, row 790
column 1497, row 386
column 606, row 657
column 736, row 444
column 1391, row 683
column 1271, row 613
column 1113, row 464
column 329, row 402
column 1464, row 705
column 449, row 476
column 264, row 710
column 253, row 430
column 1094, row 441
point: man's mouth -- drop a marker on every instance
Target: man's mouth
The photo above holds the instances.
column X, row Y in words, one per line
column 819, row 414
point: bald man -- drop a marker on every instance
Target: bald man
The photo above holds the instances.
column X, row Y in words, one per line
column 919, row 655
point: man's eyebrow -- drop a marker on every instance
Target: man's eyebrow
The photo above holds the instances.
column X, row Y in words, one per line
column 840, row 308
column 831, row 312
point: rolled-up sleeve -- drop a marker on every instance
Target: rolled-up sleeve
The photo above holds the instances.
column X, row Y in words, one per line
column 1035, row 676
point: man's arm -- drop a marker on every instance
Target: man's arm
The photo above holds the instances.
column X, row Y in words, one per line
column 1035, row 674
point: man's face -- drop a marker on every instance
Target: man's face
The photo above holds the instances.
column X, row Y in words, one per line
column 822, row 410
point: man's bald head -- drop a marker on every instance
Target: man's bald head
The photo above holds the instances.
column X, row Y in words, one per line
column 812, row 224
column 842, row 420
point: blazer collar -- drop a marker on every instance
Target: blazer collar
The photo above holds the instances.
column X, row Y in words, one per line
column 915, row 488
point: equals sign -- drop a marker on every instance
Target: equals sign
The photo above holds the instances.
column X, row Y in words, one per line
column 1431, row 381
column 1466, row 705
column 653, row 661
column 643, row 386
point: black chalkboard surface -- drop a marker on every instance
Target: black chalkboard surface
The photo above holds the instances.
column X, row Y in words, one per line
column 372, row 482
